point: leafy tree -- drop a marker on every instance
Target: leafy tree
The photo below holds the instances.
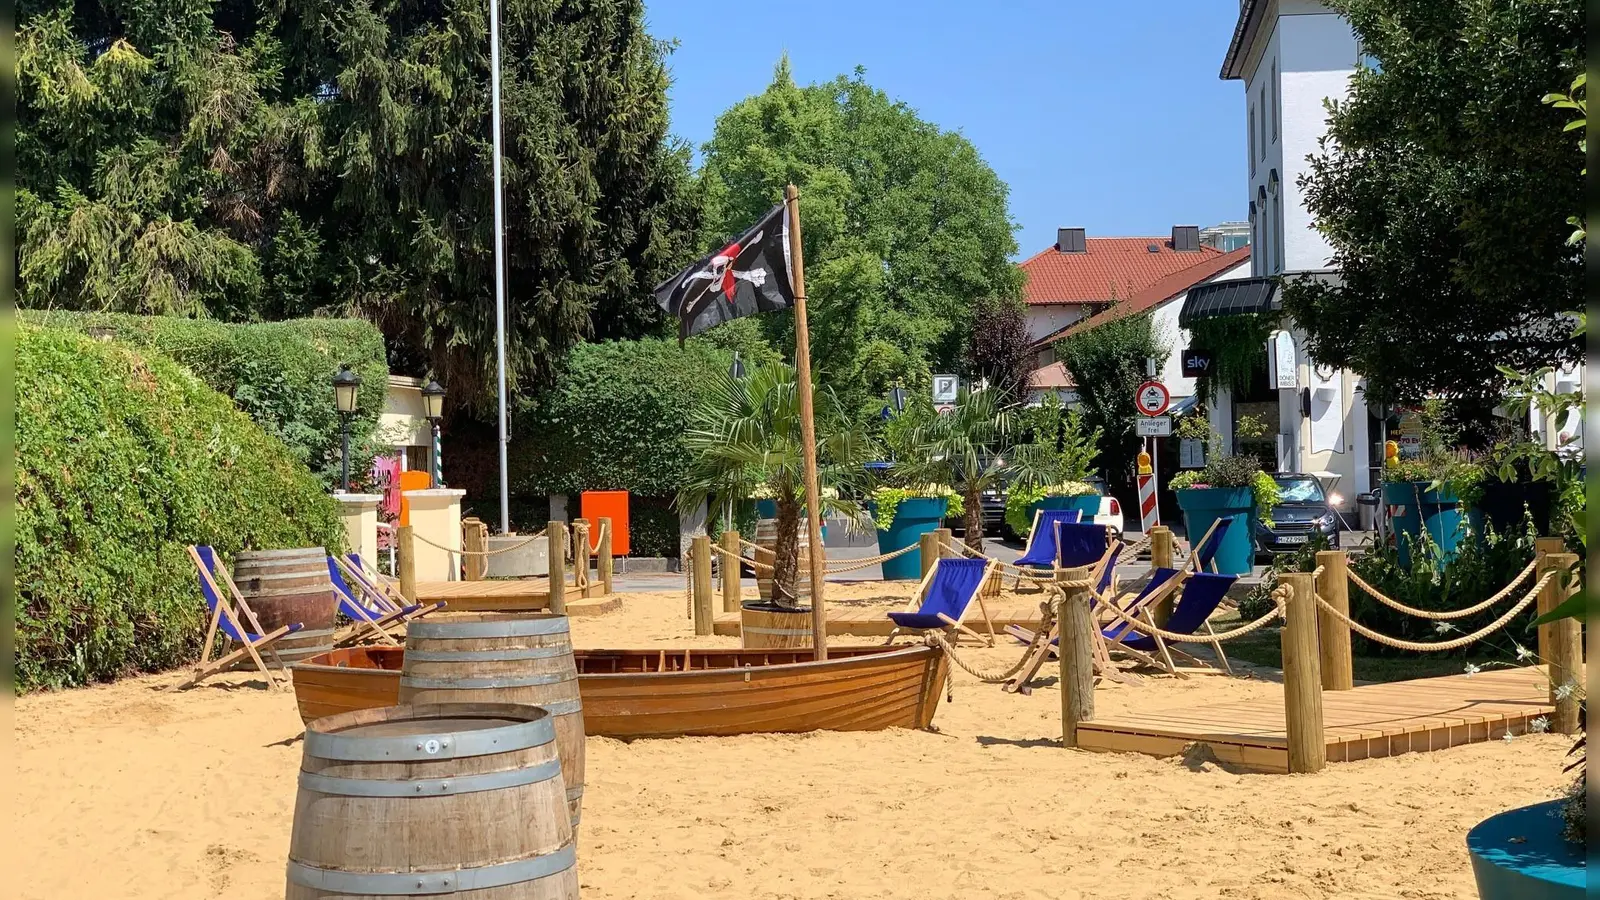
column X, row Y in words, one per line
column 905, row 225
column 745, row 436
column 1434, row 186
column 963, row 448
column 251, row 159
column 1107, row 363
column 999, row 349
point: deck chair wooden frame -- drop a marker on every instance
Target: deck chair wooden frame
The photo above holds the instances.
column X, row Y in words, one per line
column 225, row 603
column 1046, row 649
column 365, row 623
column 1166, row 648
column 1193, row 562
column 957, row 627
column 386, row 593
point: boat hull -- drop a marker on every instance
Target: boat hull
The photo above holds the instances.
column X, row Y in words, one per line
column 671, row 693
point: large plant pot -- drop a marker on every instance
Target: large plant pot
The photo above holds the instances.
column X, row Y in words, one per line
column 767, row 626
column 1413, row 508
column 1520, row 855
column 1087, row 505
column 913, row 518
column 1204, row 506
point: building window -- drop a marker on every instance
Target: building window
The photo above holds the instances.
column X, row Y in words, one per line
column 1277, row 216
column 1257, row 264
column 1261, row 104
column 1252, row 141
column 1276, row 96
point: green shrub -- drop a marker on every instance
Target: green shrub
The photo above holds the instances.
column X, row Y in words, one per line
column 279, row 373
column 123, row 457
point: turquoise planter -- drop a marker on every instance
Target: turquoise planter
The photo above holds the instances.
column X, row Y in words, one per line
column 1520, row 855
column 1203, row 506
column 768, row 509
column 913, row 518
column 1088, row 505
column 1417, row 508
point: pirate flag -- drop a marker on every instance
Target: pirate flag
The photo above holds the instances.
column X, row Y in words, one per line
column 749, row 276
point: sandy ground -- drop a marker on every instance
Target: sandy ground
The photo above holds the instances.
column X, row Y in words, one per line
column 128, row 791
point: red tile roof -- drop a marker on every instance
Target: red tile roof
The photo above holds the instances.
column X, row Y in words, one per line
column 1155, row 294
column 1120, row 266
column 1051, row 377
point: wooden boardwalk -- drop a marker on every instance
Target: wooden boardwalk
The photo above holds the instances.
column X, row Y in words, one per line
column 1367, row 722
column 875, row 622
column 511, row 595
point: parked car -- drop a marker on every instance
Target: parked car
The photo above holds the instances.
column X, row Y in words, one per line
column 1110, row 514
column 1303, row 510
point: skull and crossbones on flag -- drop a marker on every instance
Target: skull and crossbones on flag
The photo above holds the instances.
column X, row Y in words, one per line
column 750, row 275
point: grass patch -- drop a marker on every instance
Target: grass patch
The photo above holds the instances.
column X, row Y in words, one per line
column 1263, row 648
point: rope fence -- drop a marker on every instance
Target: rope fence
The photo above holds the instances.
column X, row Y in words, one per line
column 1504, row 592
column 517, row 546
column 1047, row 620
column 1440, row 646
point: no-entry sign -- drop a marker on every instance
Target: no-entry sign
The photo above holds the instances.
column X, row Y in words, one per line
column 1152, row 398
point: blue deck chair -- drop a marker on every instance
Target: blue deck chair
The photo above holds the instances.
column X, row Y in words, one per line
column 370, row 617
column 224, row 617
column 1204, row 556
column 943, row 598
column 1202, row 594
column 1103, row 571
column 375, row 592
column 1041, row 550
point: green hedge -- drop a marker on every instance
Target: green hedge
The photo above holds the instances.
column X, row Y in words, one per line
column 279, row 373
column 123, row 457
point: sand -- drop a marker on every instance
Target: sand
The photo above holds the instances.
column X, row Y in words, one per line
column 125, row 790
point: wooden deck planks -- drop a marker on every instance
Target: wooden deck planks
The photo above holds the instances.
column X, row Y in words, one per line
column 1367, row 722
column 511, row 595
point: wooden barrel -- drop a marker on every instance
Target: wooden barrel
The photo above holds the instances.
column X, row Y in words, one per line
column 764, row 626
column 288, row 586
column 502, row 658
column 766, row 542
column 463, row 799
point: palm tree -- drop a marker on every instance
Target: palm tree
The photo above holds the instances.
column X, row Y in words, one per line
column 963, row 448
column 746, row 434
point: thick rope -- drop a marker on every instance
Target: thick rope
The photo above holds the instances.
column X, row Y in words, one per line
column 1047, row 618
column 1443, row 646
column 516, row 546
column 1505, row 592
column 1280, row 596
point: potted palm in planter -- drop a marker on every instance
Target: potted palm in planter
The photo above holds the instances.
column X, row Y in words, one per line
column 1229, row 485
column 1054, row 470
column 744, row 439
column 1429, row 493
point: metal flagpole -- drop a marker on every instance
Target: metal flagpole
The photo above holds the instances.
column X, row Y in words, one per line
column 499, row 258
column 808, row 430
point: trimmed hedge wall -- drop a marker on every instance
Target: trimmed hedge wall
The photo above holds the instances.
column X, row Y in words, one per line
column 123, row 457
column 279, row 373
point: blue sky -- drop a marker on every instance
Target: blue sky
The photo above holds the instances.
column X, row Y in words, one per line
column 1106, row 115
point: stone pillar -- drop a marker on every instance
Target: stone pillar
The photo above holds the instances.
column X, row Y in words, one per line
column 360, row 514
column 436, row 517
column 558, row 507
column 690, row 524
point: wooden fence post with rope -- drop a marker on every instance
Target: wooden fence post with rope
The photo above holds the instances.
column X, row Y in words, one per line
column 1333, row 636
column 731, row 576
column 405, row 538
column 474, row 538
column 1302, row 680
column 947, row 540
column 580, row 557
column 604, row 562
column 556, row 536
column 1565, row 662
column 1161, row 558
column 930, row 549
column 700, row 563
column 1543, row 550
column 1077, row 652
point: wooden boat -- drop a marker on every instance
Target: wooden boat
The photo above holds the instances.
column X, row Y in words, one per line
column 670, row 693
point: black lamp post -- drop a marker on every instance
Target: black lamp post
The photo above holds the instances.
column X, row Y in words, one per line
column 346, row 385
column 897, row 399
column 433, row 410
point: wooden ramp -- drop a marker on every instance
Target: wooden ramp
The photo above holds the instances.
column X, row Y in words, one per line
column 1367, row 722
column 511, row 595
column 875, row 622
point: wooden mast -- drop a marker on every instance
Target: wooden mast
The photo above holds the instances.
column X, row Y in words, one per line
column 808, row 428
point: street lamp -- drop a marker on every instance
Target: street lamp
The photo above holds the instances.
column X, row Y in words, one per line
column 346, row 385
column 433, row 410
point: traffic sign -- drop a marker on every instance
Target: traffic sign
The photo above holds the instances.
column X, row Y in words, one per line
column 945, row 388
column 1152, row 398
column 1154, row 426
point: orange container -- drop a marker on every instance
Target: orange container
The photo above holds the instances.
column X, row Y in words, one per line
column 596, row 505
column 411, row 481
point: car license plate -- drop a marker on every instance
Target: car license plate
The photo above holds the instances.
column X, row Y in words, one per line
column 1292, row 538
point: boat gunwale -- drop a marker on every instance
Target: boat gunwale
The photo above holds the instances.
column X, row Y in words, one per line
column 904, row 653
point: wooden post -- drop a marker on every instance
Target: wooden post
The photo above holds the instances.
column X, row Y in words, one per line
column 1543, row 549
column 605, row 560
column 1161, row 558
column 731, row 576
column 1302, row 680
column 473, row 563
column 808, row 428
column 700, row 563
column 556, row 534
column 947, row 540
column 406, row 559
column 580, row 556
column 1333, row 636
column 1566, row 653
column 929, row 548
column 1077, row 654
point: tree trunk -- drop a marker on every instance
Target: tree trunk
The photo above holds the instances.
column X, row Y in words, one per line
column 786, row 553
column 972, row 520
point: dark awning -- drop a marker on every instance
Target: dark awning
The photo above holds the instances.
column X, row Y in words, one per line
column 1229, row 298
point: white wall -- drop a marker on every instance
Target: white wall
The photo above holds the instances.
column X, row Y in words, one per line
column 1043, row 320
column 1164, row 322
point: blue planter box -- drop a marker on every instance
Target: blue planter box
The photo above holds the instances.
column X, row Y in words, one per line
column 913, row 518
column 1203, row 506
column 1419, row 508
column 1520, row 855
